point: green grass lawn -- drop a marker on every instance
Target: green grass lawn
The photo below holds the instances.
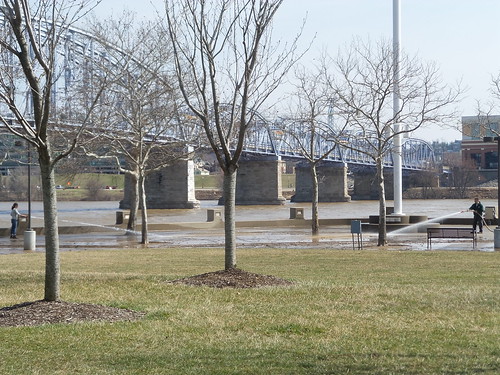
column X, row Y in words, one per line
column 349, row 312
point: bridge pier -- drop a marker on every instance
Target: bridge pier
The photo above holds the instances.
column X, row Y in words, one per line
column 127, row 193
column 259, row 181
column 170, row 187
column 365, row 184
column 332, row 183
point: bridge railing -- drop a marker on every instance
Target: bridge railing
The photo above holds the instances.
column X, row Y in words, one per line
column 417, row 154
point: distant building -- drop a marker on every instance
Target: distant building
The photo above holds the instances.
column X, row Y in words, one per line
column 482, row 154
column 443, row 151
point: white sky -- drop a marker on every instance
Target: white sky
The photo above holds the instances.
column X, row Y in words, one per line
column 461, row 36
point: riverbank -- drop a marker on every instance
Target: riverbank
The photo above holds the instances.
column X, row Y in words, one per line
column 451, row 193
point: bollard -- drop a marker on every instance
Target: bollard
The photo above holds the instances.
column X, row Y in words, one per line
column 496, row 239
column 296, row 213
column 30, row 240
column 214, row 215
column 119, row 217
column 122, row 217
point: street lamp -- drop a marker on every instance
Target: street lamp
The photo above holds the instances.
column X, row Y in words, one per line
column 496, row 237
column 396, row 155
column 29, row 233
column 29, row 188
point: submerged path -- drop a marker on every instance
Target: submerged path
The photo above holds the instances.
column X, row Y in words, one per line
column 92, row 216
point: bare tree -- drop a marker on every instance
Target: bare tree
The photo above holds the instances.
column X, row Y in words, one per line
column 427, row 181
column 310, row 128
column 488, row 123
column 227, row 67
column 495, row 88
column 30, row 35
column 363, row 89
column 140, row 116
column 464, row 174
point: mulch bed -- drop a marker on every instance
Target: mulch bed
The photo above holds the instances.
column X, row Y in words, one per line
column 233, row 278
column 43, row 312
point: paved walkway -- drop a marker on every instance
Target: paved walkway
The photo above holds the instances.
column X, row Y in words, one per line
column 335, row 237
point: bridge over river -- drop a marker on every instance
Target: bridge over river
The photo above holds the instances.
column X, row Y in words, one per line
column 268, row 143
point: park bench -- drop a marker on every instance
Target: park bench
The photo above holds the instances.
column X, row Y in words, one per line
column 450, row 233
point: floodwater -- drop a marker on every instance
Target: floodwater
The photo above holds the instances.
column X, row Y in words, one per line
column 98, row 214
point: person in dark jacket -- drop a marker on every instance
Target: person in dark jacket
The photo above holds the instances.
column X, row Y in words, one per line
column 478, row 210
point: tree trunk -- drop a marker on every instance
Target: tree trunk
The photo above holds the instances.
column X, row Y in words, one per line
column 52, row 264
column 134, row 204
column 144, row 211
column 382, row 227
column 315, row 199
column 229, row 217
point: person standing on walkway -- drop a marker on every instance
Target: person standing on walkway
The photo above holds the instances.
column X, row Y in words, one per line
column 14, row 218
column 478, row 209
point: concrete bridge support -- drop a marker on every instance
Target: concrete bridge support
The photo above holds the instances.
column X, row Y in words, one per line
column 366, row 185
column 170, row 187
column 127, row 193
column 332, row 183
column 259, row 182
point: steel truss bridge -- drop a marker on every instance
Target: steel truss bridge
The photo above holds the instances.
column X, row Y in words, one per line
column 78, row 50
column 352, row 149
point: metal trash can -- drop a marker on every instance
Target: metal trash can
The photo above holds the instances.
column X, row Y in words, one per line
column 490, row 212
column 30, row 240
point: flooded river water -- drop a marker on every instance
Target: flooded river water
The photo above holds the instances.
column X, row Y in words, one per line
column 95, row 214
column 104, row 213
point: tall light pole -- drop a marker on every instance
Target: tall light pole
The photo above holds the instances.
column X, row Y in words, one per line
column 29, row 233
column 396, row 153
column 29, row 187
column 496, row 234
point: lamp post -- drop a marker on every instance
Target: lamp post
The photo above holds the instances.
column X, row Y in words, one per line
column 496, row 238
column 396, row 154
column 29, row 187
column 29, row 233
